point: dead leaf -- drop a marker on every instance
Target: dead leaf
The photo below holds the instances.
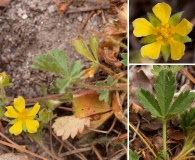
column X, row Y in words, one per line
column 70, row 126
column 176, row 134
column 136, row 108
column 116, row 106
column 62, row 6
column 109, row 56
column 4, row 3
column 89, row 72
column 95, row 123
column 88, row 105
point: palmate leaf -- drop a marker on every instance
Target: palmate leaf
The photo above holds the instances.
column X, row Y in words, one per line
column 165, row 88
column 187, row 120
column 149, row 102
column 54, row 61
column 183, row 101
column 133, row 155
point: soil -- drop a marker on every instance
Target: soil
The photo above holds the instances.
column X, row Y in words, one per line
column 29, row 28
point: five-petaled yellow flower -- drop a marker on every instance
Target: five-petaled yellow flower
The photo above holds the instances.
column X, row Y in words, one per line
column 24, row 118
column 167, row 33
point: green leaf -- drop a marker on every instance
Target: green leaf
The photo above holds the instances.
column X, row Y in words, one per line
column 153, row 19
column 183, row 101
column 174, row 20
column 104, row 94
column 148, row 39
column 149, row 102
column 45, row 115
column 187, row 120
column 155, row 71
column 175, row 68
column 61, row 85
column 133, row 155
column 125, row 58
column 54, row 61
column 2, row 112
column 81, row 47
column 93, row 42
column 166, row 50
column 183, row 39
column 75, row 69
column 165, row 88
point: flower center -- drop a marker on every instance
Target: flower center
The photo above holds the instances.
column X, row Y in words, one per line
column 164, row 33
column 23, row 115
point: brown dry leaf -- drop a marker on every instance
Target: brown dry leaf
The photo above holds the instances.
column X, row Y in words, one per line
column 70, row 126
column 109, row 56
column 88, row 105
column 136, row 108
column 116, row 106
column 176, row 134
column 4, row 3
column 97, row 121
column 62, row 6
column 89, row 72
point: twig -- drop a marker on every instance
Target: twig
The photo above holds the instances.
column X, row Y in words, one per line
column 76, row 151
column 85, row 21
column 85, row 9
column 23, row 150
column 97, row 153
column 188, row 75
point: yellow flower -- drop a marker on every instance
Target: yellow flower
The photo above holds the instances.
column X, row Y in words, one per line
column 164, row 33
column 24, row 118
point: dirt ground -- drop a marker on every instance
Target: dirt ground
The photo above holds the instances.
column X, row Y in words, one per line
column 32, row 27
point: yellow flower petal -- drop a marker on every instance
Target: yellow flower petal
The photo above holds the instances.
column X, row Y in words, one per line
column 19, row 104
column 16, row 129
column 184, row 27
column 151, row 50
column 142, row 27
column 11, row 112
column 162, row 11
column 177, row 50
column 34, row 110
column 31, row 125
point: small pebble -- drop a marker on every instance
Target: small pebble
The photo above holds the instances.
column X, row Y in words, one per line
column 52, row 8
column 24, row 16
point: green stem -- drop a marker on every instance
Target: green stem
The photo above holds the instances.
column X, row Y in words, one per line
column 164, row 137
column 143, row 140
column 184, row 154
column 118, row 86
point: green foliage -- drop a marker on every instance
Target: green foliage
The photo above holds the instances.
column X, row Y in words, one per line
column 166, row 51
column 104, row 94
column 81, row 47
column 133, row 155
column 174, row 68
column 148, row 39
column 56, row 62
column 45, row 116
column 153, row 19
column 94, row 42
column 2, row 112
column 183, row 39
column 161, row 105
column 174, row 19
column 125, row 58
column 187, row 120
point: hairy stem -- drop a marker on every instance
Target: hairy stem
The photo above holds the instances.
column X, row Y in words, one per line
column 164, row 137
